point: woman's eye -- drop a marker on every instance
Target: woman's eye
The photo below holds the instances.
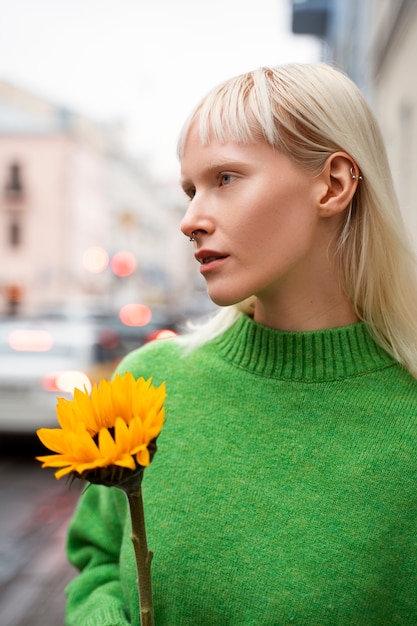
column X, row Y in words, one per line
column 226, row 179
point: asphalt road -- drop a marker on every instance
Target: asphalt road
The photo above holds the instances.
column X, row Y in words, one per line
column 34, row 512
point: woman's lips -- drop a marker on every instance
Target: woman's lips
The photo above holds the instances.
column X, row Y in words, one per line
column 209, row 260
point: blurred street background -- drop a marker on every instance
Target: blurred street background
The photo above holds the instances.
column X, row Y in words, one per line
column 92, row 263
column 33, row 520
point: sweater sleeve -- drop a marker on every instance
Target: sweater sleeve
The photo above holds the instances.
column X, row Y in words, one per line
column 94, row 597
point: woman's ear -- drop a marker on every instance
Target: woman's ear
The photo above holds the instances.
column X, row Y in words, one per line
column 340, row 178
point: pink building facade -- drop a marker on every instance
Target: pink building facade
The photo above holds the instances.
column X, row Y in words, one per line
column 66, row 186
column 52, row 206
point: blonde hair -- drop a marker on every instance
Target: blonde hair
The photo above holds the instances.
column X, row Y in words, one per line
column 309, row 111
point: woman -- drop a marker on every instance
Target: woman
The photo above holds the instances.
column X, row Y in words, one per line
column 283, row 491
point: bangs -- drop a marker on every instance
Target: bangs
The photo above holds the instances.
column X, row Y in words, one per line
column 262, row 105
column 239, row 110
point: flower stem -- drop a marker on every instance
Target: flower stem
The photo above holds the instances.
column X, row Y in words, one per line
column 143, row 557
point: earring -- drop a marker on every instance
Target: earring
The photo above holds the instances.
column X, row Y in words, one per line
column 354, row 177
column 192, row 238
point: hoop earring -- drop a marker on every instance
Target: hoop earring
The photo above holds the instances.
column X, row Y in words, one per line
column 354, row 177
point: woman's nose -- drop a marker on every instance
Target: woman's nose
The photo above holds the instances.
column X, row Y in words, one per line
column 195, row 219
column 186, row 225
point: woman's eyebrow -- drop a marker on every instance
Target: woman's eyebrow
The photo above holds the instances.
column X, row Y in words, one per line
column 214, row 165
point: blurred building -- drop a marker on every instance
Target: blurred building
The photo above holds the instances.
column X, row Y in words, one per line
column 375, row 42
column 394, row 93
column 80, row 221
column 343, row 29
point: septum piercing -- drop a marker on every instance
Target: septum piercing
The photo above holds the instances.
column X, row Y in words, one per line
column 354, row 177
column 192, row 238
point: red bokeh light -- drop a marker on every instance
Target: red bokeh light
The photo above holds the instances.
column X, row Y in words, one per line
column 162, row 333
column 123, row 264
column 135, row 314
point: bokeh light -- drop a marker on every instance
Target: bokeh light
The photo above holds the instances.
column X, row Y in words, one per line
column 123, row 264
column 95, row 259
column 135, row 314
column 67, row 381
column 162, row 333
column 30, row 340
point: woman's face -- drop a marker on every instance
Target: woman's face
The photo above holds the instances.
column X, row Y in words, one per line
column 255, row 218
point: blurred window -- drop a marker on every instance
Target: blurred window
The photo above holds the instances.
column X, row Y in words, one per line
column 14, row 185
column 311, row 17
column 15, row 234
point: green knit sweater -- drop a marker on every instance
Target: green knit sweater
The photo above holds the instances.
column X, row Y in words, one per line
column 283, row 490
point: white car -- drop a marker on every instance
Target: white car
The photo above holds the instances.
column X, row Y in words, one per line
column 41, row 361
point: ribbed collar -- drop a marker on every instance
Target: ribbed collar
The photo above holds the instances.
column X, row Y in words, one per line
column 312, row 356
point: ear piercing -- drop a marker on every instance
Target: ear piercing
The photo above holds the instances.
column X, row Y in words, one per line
column 354, row 177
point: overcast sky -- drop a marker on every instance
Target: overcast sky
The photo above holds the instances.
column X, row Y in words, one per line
column 146, row 62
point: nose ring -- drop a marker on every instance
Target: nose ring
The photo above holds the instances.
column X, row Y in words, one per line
column 192, row 238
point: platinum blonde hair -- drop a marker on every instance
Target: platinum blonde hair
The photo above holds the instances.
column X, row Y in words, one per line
column 309, row 111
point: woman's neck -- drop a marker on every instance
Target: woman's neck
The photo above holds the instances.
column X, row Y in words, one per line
column 306, row 313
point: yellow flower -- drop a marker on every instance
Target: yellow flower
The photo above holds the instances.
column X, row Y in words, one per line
column 108, row 435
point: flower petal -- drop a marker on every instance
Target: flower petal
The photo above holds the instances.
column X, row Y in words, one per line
column 107, row 445
column 143, row 457
column 54, row 439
